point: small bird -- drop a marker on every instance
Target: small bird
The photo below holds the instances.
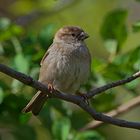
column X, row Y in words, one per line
column 64, row 67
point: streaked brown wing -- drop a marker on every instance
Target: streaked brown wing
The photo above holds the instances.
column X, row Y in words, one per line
column 45, row 55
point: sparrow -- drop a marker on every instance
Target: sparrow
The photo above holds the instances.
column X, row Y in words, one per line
column 64, row 67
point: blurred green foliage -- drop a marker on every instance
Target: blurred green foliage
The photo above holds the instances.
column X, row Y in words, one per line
column 22, row 47
column 114, row 28
column 136, row 26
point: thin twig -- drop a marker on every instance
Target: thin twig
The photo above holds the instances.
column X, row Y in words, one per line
column 68, row 97
column 101, row 89
column 113, row 113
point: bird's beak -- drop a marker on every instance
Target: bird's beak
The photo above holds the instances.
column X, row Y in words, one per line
column 83, row 36
column 86, row 35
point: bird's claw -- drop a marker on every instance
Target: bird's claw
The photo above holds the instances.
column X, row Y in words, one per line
column 51, row 88
column 84, row 97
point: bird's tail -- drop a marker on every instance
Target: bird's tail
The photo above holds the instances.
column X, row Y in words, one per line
column 36, row 103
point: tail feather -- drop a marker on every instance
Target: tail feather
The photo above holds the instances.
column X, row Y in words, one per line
column 36, row 103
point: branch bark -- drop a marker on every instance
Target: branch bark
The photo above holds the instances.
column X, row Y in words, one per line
column 101, row 89
column 113, row 113
column 73, row 98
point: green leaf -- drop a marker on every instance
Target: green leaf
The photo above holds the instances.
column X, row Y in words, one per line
column 3, row 85
column 1, row 95
column 76, row 122
column 8, row 30
column 16, row 86
column 16, row 30
column 12, row 105
column 89, row 135
column 5, row 35
column 97, row 65
column 104, row 102
column 114, row 27
column 111, row 45
column 132, row 85
column 136, row 26
column 46, row 35
column 24, row 118
column 61, row 128
column 24, row 132
column 21, row 63
column 129, row 62
column 4, row 23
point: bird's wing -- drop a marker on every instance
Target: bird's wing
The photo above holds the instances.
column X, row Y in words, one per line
column 45, row 55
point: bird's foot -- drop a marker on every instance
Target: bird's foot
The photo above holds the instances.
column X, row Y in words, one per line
column 51, row 88
column 84, row 97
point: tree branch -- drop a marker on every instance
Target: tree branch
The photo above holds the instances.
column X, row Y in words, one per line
column 115, row 112
column 101, row 89
column 70, row 98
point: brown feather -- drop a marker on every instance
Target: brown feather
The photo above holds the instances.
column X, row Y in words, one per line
column 36, row 103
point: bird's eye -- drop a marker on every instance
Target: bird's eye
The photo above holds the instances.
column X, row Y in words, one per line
column 73, row 35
